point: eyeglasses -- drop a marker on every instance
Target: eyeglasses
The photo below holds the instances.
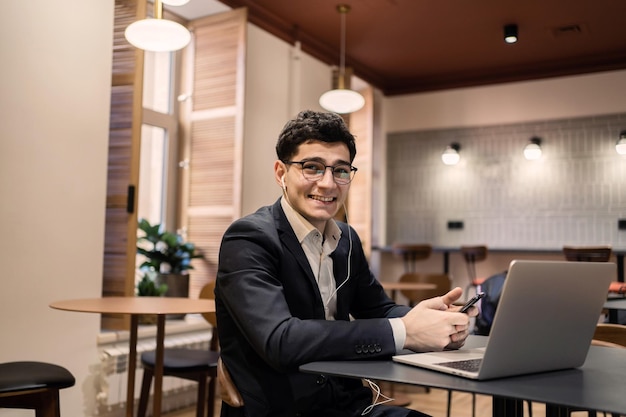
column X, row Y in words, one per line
column 314, row 171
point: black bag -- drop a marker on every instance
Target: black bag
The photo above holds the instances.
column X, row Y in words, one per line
column 492, row 287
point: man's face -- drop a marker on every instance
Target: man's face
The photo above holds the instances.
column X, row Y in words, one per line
column 317, row 201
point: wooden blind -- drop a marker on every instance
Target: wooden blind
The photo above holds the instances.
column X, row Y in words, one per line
column 123, row 165
column 212, row 145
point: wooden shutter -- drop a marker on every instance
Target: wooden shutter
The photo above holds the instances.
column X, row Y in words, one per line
column 213, row 136
column 359, row 203
column 123, row 169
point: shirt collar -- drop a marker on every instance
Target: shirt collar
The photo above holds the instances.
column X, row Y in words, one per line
column 302, row 227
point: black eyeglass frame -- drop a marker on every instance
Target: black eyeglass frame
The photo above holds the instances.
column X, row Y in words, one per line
column 341, row 181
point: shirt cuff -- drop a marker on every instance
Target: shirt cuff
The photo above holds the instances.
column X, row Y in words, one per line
column 399, row 333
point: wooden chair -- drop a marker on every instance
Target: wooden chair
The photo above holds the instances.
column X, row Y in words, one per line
column 471, row 255
column 199, row 365
column 587, row 253
column 594, row 254
column 228, row 391
column 33, row 386
column 609, row 334
column 411, row 253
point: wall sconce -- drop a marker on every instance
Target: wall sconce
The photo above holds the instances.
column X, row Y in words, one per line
column 510, row 33
column 157, row 34
column 450, row 155
column 620, row 146
column 532, row 151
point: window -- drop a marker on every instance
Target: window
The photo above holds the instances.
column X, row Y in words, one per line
column 202, row 195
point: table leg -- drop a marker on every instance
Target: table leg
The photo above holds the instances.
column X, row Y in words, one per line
column 132, row 363
column 507, row 407
column 446, row 262
column 620, row 267
column 158, row 366
column 556, row 411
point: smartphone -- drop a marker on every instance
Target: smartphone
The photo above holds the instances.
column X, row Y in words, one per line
column 472, row 301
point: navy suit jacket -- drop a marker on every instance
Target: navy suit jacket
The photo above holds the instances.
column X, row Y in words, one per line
column 271, row 319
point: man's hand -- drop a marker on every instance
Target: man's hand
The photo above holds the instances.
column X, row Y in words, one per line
column 435, row 324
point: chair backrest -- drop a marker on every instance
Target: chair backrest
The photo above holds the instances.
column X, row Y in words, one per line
column 442, row 282
column 208, row 292
column 411, row 253
column 474, row 253
column 228, row 391
column 609, row 334
column 587, row 253
column 471, row 255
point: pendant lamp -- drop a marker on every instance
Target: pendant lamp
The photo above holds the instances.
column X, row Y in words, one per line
column 157, row 34
column 342, row 100
column 175, row 2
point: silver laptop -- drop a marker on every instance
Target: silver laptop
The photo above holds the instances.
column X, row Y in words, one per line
column 545, row 320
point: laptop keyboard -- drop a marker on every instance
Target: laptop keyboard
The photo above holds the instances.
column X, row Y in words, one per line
column 469, row 365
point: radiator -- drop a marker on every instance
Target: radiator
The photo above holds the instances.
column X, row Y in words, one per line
column 110, row 380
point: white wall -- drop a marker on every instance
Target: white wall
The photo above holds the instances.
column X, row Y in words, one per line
column 280, row 82
column 554, row 98
column 55, row 87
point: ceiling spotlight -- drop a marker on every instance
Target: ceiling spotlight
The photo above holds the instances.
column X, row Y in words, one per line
column 620, row 146
column 532, row 151
column 342, row 100
column 510, row 33
column 450, row 155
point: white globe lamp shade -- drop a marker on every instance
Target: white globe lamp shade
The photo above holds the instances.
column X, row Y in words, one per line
column 175, row 2
column 157, row 35
column 532, row 151
column 450, row 155
column 620, row 146
column 342, row 101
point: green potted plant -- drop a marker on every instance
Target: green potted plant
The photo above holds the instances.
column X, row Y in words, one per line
column 147, row 286
column 167, row 256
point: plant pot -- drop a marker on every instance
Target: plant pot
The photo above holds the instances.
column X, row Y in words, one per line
column 177, row 286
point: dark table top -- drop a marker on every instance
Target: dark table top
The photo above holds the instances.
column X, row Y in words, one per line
column 598, row 384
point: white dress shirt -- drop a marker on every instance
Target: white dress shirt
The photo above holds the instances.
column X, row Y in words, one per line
column 317, row 248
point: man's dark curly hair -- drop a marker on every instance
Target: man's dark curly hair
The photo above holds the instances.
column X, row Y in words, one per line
column 313, row 125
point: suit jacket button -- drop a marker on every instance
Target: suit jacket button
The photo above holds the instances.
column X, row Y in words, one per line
column 358, row 349
column 378, row 348
column 321, row 380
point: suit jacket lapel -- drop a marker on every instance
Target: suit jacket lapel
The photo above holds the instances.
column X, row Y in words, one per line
column 289, row 240
column 340, row 270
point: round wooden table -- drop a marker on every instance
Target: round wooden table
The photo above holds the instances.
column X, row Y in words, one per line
column 136, row 306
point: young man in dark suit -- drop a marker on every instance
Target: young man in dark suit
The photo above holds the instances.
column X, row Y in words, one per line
column 294, row 286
